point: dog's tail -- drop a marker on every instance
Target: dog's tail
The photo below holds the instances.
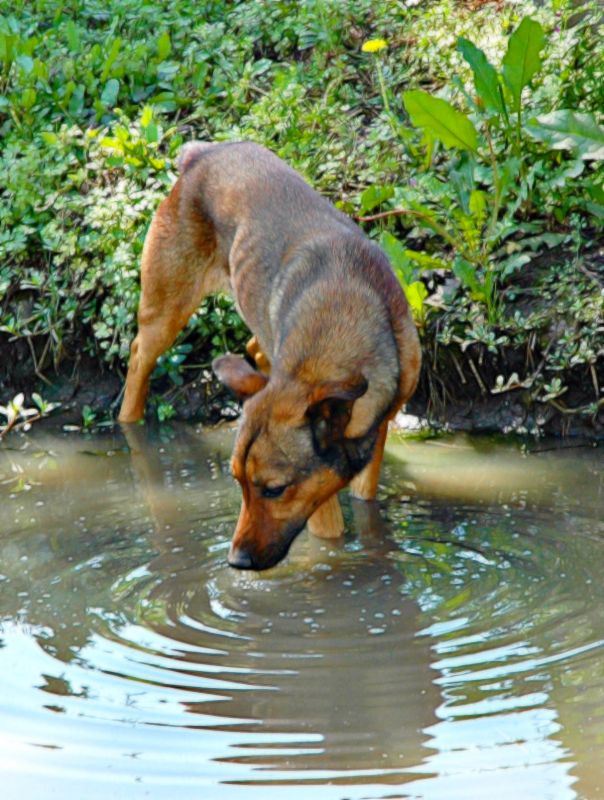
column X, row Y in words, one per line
column 190, row 154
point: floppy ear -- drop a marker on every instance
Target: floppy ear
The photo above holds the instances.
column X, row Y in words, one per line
column 238, row 376
column 330, row 409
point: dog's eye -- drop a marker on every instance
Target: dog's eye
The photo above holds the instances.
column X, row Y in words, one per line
column 273, row 491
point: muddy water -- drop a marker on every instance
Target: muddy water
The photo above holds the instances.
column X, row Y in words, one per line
column 450, row 646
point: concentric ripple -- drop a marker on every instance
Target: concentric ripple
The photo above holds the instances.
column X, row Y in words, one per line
column 452, row 646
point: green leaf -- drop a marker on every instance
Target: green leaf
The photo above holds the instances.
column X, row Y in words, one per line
column 76, row 99
column 110, row 92
column 146, row 116
column 570, row 130
column 151, row 132
column 109, row 61
column 478, row 205
column 466, row 273
column 416, row 293
column 596, row 209
column 398, row 257
column 509, row 265
column 486, row 79
column 461, row 176
column 374, row 196
column 25, row 62
column 425, row 260
column 73, row 36
column 49, row 137
column 441, row 120
column 164, row 46
column 522, row 59
column 28, row 98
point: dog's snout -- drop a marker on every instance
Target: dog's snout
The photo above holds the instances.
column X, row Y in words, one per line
column 239, row 558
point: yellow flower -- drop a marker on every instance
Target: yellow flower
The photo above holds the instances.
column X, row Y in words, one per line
column 374, row 45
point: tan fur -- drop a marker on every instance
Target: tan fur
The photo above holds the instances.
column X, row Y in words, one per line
column 334, row 342
column 327, row 522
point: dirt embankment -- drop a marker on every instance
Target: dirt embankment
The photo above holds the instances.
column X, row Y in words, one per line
column 453, row 393
column 539, row 370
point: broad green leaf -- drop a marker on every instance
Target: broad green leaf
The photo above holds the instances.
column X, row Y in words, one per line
column 596, row 209
column 146, row 116
column 398, row 257
column 49, row 137
column 25, row 62
column 151, row 132
column 73, row 36
column 7, row 48
column 596, row 192
column 425, row 260
column 28, row 98
column 164, row 46
column 109, row 61
column 522, row 59
column 486, row 79
column 440, row 120
column 374, row 195
column 478, row 205
column 570, row 130
column 110, row 93
column 466, row 273
column 508, row 266
column 416, row 293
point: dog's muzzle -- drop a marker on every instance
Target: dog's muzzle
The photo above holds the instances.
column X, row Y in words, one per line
column 247, row 557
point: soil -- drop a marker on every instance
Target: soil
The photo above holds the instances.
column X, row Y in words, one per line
column 442, row 400
column 455, row 389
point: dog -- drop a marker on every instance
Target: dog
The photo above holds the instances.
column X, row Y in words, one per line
column 336, row 350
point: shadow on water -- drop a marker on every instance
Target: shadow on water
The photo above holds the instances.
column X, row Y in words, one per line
column 449, row 646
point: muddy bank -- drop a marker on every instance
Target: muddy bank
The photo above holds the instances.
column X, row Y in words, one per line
column 459, row 390
column 453, row 394
column 537, row 368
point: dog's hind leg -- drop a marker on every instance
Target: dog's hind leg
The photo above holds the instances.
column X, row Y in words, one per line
column 174, row 279
column 157, row 330
column 327, row 522
column 364, row 485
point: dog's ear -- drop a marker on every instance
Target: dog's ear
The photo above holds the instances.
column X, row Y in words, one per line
column 238, row 376
column 330, row 409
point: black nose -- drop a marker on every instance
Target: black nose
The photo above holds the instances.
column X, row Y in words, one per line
column 239, row 558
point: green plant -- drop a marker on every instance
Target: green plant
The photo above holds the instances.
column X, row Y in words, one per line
column 88, row 416
column 495, row 169
column 19, row 416
column 96, row 98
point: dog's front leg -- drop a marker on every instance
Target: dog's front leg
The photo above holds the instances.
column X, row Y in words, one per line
column 364, row 485
column 327, row 522
column 260, row 359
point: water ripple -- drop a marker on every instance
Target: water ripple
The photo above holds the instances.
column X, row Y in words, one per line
column 443, row 647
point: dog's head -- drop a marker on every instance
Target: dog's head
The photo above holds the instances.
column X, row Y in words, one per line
column 290, row 456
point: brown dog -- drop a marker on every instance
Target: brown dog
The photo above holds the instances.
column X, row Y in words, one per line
column 330, row 323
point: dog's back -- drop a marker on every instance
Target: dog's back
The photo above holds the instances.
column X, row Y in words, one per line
column 317, row 293
column 330, row 322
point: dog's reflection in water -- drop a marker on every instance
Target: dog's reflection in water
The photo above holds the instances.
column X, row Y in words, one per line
column 321, row 652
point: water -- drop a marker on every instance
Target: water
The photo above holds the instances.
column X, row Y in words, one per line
column 451, row 646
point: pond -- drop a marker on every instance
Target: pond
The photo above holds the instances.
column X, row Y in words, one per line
column 450, row 646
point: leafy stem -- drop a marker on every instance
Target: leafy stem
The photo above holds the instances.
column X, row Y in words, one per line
column 429, row 221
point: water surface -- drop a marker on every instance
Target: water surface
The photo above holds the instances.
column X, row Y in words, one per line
column 450, row 646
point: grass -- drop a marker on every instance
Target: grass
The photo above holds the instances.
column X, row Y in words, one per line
column 96, row 99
